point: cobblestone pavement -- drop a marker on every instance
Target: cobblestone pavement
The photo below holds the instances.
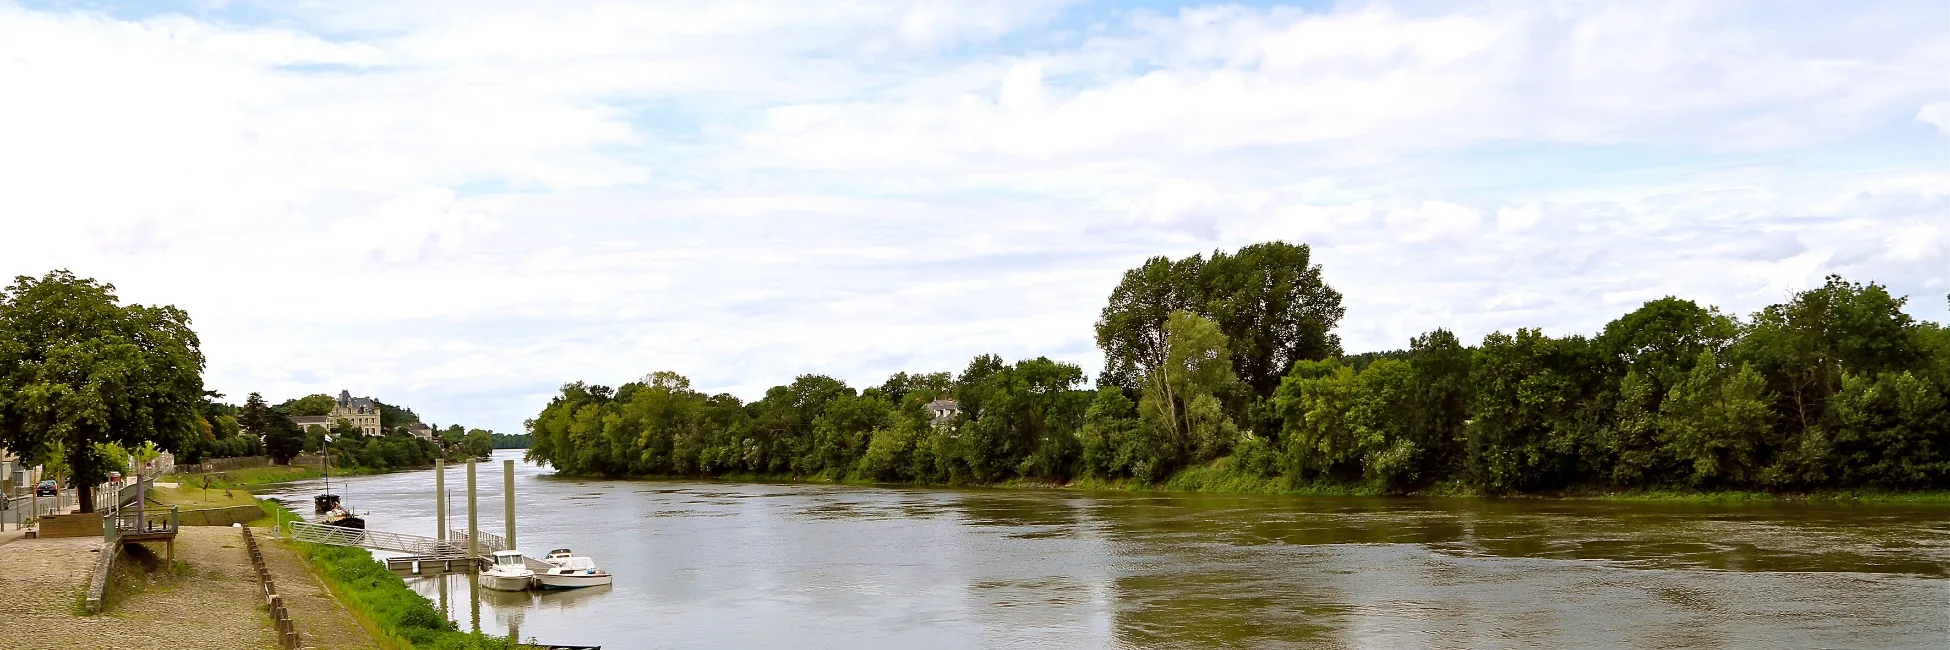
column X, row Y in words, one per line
column 320, row 619
column 211, row 604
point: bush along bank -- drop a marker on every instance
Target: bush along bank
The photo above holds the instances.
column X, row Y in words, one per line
column 382, row 600
column 1224, row 374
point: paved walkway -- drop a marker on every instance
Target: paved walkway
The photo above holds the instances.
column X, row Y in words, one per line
column 212, row 602
column 321, row 621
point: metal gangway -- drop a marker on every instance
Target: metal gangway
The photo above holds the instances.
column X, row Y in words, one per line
column 379, row 540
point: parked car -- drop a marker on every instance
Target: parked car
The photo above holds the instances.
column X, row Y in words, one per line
column 45, row 488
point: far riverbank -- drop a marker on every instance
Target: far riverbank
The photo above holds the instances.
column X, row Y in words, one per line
column 1210, row 480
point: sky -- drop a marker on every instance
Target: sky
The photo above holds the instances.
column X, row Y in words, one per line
column 459, row 206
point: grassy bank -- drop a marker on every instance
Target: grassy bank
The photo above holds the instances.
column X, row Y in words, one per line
column 1219, row 479
column 247, row 477
column 194, row 496
column 273, row 474
column 393, row 612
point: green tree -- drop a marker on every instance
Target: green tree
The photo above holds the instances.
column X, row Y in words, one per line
column 115, row 458
column 1131, row 329
column 1384, row 415
column 1316, row 404
column 1270, row 301
column 1716, row 422
column 78, row 369
column 1110, row 443
column 282, row 438
column 1021, row 419
column 1180, row 402
column 309, row 405
column 1805, row 346
column 393, row 417
column 1890, row 430
column 1529, row 415
column 922, row 387
column 1662, row 339
column 1442, row 394
column 314, row 436
column 1639, row 454
column 1274, row 307
column 479, row 443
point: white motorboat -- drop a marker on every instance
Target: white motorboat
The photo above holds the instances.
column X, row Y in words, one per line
column 509, row 573
column 558, row 556
column 571, row 572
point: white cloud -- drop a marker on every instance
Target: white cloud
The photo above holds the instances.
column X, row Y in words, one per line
column 1916, row 243
column 523, row 195
column 412, row 227
column 1433, row 220
column 1516, row 218
column 1936, row 113
column 1369, row 83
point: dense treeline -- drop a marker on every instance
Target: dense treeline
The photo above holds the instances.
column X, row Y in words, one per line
column 511, row 441
column 1229, row 364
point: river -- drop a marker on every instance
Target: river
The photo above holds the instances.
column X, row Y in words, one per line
column 733, row 565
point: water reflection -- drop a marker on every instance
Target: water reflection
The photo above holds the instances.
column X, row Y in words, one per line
column 731, row 565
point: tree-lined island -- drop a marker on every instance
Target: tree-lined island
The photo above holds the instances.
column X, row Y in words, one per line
column 1223, row 373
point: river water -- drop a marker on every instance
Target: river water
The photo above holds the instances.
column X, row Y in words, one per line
column 730, row 565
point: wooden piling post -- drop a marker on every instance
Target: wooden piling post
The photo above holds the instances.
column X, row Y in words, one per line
column 508, row 500
column 439, row 500
column 473, row 515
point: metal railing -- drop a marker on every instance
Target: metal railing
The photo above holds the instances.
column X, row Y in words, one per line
column 127, row 495
column 129, row 521
column 17, row 511
column 488, row 542
column 373, row 539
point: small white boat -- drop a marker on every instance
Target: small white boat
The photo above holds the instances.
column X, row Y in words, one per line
column 571, row 572
column 509, row 573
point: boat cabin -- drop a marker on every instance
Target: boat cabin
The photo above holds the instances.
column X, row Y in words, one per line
column 574, row 565
column 509, row 558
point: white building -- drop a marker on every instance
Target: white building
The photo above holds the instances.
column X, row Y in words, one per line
column 944, row 411
column 362, row 412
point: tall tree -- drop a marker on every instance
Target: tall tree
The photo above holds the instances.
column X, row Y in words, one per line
column 1529, row 414
column 79, row 369
column 1662, row 339
column 1131, row 329
column 1805, row 346
column 282, row 437
column 1442, row 366
column 1274, row 308
column 1715, row 422
column 1180, row 398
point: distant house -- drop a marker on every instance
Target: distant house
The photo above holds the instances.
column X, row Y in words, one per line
column 421, row 430
column 362, row 412
column 16, row 478
column 944, row 410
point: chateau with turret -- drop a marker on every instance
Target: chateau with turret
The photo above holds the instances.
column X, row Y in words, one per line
column 362, row 412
